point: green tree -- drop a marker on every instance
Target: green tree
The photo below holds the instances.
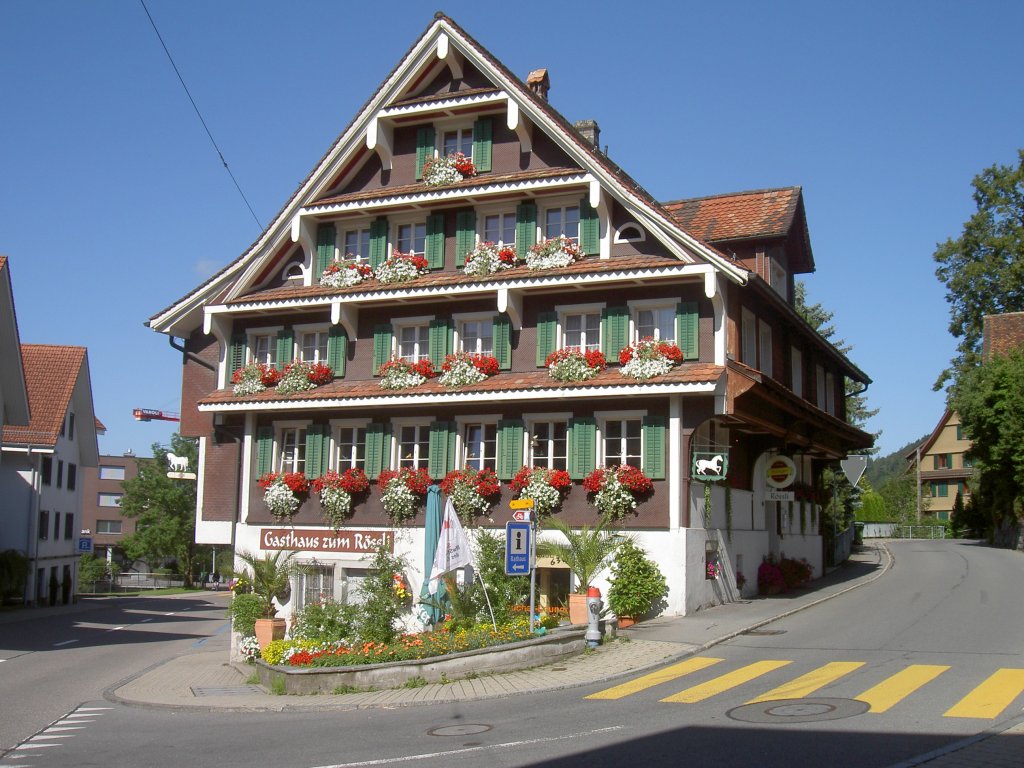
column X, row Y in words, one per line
column 164, row 511
column 899, row 495
column 983, row 269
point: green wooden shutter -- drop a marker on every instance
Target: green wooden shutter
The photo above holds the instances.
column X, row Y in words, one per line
column 424, row 148
column 441, row 445
column 325, row 237
column 378, row 241
column 440, row 339
column 654, row 447
column 582, row 443
column 435, row 241
column 503, row 341
column 378, row 448
column 337, row 350
column 687, row 329
column 511, row 435
column 614, row 331
column 465, row 235
column 285, row 346
column 317, row 446
column 264, row 450
column 547, row 336
column 590, row 229
column 482, row 131
column 236, row 353
column 526, row 227
column 382, row 336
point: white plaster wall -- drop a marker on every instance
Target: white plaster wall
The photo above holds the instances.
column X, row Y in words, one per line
column 16, row 523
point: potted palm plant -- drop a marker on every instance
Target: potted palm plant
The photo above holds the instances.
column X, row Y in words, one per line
column 586, row 552
column 271, row 579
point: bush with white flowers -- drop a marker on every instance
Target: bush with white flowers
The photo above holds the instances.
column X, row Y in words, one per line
column 648, row 358
column 343, row 274
column 488, row 258
column 553, row 254
column 401, row 267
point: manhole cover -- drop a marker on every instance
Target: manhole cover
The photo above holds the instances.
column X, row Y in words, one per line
column 765, row 632
column 228, row 690
column 798, row 711
column 466, row 729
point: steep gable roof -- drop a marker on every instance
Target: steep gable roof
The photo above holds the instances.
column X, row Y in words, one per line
column 442, row 40
column 13, row 392
column 926, row 446
column 51, row 373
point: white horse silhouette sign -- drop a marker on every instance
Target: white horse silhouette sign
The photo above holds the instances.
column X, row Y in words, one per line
column 709, row 466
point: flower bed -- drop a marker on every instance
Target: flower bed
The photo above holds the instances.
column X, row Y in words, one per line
column 488, row 258
column 615, row 490
column 254, row 378
column 282, row 493
column 574, row 364
column 441, row 171
column 400, row 267
column 399, row 373
column 343, row 274
column 648, row 358
column 336, row 492
column 547, row 488
column 401, row 492
column 554, row 253
column 463, row 368
column 469, row 489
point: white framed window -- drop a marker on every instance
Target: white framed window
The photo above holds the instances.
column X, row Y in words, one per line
column 630, row 233
column 412, row 445
column 475, row 335
column 312, row 344
column 796, row 363
column 562, row 222
column 411, row 238
column 499, row 228
column 457, row 139
column 748, row 340
column 108, row 526
column 657, row 321
column 548, row 443
column 621, row 438
column 111, row 472
column 292, row 271
column 349, row 445
column 314, row 585
column 579, row 326
column 108, row 499
column 291, row 455
column 412, row 337
column 263, row 345
column 479, row 445
column 356, row 244
column 764, row 336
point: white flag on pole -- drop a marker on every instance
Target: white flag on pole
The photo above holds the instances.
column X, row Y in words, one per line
column 452, row 547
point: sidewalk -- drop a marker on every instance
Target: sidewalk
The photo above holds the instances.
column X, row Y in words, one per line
column 203, row 679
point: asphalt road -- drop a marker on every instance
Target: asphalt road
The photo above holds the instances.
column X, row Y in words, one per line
column 886, row 672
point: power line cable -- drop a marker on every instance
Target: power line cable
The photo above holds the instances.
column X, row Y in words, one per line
column 200, row 115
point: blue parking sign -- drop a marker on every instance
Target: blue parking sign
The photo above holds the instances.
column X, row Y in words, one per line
column 85, row 544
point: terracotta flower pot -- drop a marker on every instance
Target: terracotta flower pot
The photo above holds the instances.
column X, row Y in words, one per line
column 268, row 630
column 626, row 621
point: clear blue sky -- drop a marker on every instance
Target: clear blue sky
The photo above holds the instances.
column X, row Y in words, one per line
column 113, row 204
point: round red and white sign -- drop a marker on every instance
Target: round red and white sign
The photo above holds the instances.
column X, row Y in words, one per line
column 780, row 472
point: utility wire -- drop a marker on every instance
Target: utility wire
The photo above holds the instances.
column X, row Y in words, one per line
column 200, row 116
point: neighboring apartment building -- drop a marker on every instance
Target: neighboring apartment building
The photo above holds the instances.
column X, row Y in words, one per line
column 942, row 467
column 102, row 489
column 756, row 387
column 40, row 476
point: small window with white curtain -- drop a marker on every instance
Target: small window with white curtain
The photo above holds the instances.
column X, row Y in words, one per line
column 314, row 585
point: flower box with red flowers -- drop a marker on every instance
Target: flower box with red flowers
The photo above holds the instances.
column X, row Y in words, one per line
column 469, row 489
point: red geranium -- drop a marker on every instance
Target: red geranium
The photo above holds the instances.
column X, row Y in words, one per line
column 507, row 255
column 631, row 478
column 483, row 481
column 423, row 366
column 320, row 374
column 649, row 348
column 557, row 478
column 486, row 364
column 269, row 375
column 351, row 481
column 416, row 480
column 296, row 481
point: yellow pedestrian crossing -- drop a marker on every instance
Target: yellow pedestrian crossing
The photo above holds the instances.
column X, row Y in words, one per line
column 987, row 700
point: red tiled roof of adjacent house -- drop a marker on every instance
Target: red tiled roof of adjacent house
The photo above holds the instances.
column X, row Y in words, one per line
column 1002, row 334
column 518, row 381
column 589, row 265
column 737, row 216
column 51, row 372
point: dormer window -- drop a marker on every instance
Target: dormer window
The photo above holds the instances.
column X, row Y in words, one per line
column 472, row 140
column 629, row 233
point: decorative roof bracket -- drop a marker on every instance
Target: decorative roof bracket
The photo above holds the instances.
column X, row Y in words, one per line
column 347, row 316
column 380, row 138
column 511, row 303
column 516, row 121
column 449, row 56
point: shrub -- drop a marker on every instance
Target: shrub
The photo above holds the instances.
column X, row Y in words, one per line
column 243, row 612
column 795, row 573
column 327, row 622
column 769, row 577
column 382, row 605
column 636, row 582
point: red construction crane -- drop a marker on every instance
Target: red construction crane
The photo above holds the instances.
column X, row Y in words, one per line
column 148, row 414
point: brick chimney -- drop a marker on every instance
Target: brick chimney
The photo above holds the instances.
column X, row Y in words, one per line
column 539, row 82
column 590, row 131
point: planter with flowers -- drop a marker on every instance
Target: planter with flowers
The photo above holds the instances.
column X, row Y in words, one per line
column 254, row 378
column 441, row 171
column 547, row 488
column 399, row 373
column 470, row 490
column 301, row 376
column 574, row 364
column 463, row 368
column 616, row 491
column 342, row 274
column 648, row 358
column 400, row 267
column 553, row 254
column 336, row 492
column 488, row 258
column 283, row 493
column 401, row 492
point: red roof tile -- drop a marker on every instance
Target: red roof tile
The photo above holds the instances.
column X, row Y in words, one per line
column 51, row 372
column 518, row 381
column 1002, row 334
column 738, row 216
